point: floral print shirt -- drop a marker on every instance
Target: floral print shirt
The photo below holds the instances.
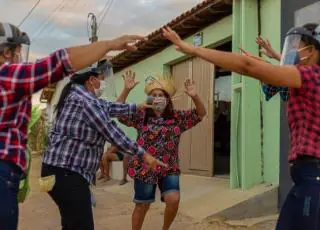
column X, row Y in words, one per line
column 160, row 137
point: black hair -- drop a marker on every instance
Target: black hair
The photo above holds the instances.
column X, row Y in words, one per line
column 309, row 41
column 167, row 113
column 79, row 79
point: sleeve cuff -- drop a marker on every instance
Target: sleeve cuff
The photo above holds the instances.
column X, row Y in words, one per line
column 65, row 58
column 140, row 151
column 132, row 109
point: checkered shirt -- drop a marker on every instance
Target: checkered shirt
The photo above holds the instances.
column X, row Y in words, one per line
column 271, row 90
column 17, row 83
column 77, row 139
column 304, row 114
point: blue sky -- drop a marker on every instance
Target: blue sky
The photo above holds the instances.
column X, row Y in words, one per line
column 68, row 25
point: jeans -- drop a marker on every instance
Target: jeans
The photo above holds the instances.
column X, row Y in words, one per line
column 72, row 195
column 10, row 176
column 301, row 210
column 146, row 193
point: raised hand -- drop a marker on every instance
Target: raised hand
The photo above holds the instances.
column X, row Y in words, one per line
column 181, row 46
column 126, row 42
column 129, row 80
column 190, row 88
column 267, row 49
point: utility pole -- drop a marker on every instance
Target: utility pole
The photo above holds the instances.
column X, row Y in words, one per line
column 93, row 37
column 93, row 26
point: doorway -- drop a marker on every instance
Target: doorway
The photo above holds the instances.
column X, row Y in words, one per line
column 195, row 149
column 222, row 118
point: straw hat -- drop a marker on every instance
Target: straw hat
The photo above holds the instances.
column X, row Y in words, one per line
column 165, row 83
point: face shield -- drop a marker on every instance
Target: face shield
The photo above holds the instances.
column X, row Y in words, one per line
column 24, row 42
column 293, row 45
column 106, row 70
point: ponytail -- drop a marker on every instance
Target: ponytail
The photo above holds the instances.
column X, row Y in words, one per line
column 79, row 79
column 65, row 92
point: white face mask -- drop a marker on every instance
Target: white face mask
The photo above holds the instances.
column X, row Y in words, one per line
column 98, row 92
column 160, row 104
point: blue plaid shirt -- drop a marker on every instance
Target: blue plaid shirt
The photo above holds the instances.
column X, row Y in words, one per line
column 270, row 91
column 84, row 125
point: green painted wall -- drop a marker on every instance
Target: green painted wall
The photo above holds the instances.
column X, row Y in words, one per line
column 270, row 28
column 157, row 64
column 252, row 163
column 246, row 152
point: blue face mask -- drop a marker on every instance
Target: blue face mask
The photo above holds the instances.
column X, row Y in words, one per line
column 292, row 58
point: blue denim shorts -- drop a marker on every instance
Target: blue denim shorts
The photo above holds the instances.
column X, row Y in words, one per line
column 146, row 193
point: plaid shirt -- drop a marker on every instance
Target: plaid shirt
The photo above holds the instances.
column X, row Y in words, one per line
column 17, row 83
column 81, row 130
column 304, row 114
column 271, row 90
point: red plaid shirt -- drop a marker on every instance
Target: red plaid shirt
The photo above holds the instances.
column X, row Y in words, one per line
column 17, row 83
column 304, row 114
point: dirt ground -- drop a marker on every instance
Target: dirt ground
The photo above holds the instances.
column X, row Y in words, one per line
column 113, row 211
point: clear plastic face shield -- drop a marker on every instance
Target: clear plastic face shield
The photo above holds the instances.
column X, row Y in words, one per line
column 106, row 70
column 293, row 45
column 23, row 47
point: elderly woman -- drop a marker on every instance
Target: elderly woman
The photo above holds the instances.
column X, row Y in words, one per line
column 159, row 131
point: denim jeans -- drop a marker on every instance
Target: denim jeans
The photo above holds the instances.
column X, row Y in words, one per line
column 146, row 193
column 301, row 210
column 10, row 176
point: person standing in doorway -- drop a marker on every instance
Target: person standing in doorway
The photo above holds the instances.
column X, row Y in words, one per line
column 18, row 81
column 301, row 73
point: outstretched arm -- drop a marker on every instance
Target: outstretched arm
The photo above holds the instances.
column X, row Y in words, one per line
column 28, row 78
column 83, row 56
column 267, row 73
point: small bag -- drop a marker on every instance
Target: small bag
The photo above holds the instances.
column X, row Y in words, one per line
column 24, row 187
column 47, row 183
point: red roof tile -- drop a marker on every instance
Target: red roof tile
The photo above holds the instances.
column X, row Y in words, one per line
column 200, row 16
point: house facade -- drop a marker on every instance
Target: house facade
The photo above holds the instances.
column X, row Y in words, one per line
column 240, row 136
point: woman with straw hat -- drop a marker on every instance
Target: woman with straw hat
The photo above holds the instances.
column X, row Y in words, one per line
column 159, row 130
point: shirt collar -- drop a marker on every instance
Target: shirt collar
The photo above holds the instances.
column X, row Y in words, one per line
column 80, row 89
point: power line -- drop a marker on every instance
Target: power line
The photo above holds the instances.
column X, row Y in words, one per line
column 40, row 31
column 104, row 8
column 74, row 5
column 29, row 13
column 105, row 13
